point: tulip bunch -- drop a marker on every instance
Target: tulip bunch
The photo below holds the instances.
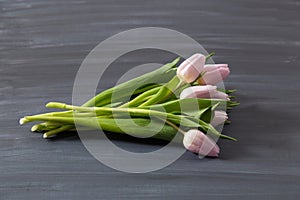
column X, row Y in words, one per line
column 177, row 98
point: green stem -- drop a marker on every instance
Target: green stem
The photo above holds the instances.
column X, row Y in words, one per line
column 174, row 126
column 210, row 55
column 108, row 124
column 142, row 97
column 164, row 92
column 136, row 112
column 51, row 133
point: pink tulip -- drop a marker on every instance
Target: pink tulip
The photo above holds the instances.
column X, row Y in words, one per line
column 197, row 142
column 219, row 118
column 190, row 69
column 204, row 91
column 213, row 74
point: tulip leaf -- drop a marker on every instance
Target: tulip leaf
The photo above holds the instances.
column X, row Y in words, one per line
column 121, row 91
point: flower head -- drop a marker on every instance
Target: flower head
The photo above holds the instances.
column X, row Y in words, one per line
column 213, row 74
column 219, row 118
column 189, row 70
column 204, row 91
column 197, row 142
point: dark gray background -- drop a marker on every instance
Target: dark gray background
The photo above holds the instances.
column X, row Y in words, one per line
column 42, row 44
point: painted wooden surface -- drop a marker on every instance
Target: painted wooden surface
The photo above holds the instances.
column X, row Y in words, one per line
column 42, row 44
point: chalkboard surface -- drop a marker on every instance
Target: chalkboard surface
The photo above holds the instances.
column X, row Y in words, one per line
column 42, row 44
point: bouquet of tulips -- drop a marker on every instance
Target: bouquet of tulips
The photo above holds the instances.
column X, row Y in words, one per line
column 176, row 97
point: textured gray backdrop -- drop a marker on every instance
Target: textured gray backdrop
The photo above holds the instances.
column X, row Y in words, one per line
column 42, row 44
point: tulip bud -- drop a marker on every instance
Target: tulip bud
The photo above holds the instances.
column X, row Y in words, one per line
column 189, row 70
column 219, row 118
column 197, row 142
column 213, row 74
column 204, row 91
